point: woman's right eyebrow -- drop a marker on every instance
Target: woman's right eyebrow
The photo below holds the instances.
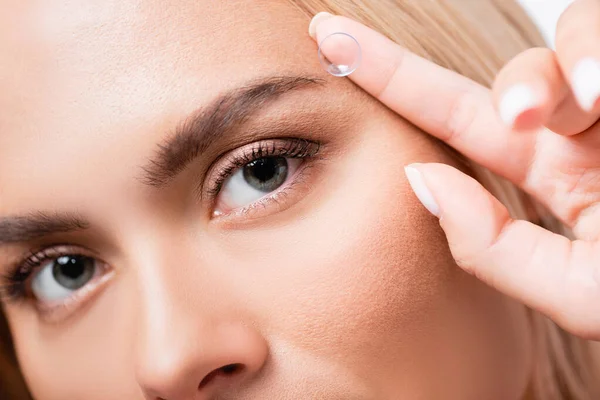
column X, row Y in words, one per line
column 39, row 224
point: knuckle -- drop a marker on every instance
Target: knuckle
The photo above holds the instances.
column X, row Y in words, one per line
column 477, row 259
column 470, row 260
column 389, row 71
column 461, row 116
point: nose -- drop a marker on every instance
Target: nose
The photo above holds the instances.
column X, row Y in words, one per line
column 202, row 367
column 198, row 364
column 190, row 349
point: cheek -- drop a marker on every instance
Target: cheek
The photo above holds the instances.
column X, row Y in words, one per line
column 365, row 269
column 89, row 357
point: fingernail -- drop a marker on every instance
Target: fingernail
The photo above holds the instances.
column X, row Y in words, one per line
column 586, row 83
column 317, row 19
column 515, row 102
column 421, row 191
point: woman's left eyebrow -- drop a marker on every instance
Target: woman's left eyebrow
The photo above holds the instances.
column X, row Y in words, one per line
column 197, row 132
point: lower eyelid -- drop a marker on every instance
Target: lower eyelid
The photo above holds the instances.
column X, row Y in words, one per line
column 225, row 197
column 60, row 310
column 298, row 185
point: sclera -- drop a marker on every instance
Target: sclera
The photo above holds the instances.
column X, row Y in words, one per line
column 340, row 54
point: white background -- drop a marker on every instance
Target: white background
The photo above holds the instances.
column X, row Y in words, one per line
column 545, row 14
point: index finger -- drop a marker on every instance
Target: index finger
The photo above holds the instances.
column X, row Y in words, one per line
column 441, row 102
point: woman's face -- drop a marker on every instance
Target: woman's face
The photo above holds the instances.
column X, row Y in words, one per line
column 190, row 208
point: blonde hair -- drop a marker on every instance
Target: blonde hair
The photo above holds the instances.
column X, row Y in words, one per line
column 476, row 38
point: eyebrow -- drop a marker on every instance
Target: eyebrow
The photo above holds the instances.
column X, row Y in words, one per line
column 196, row 133
column 36, row 225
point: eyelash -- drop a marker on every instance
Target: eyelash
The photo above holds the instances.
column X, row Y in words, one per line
column 14, row 282
column 288, row 147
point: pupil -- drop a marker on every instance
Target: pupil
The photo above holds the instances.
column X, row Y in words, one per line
column 71, row 268
column 263, row 169
column 266, row 174
column 73, row 272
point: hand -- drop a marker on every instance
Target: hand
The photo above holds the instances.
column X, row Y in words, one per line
column 538, row 128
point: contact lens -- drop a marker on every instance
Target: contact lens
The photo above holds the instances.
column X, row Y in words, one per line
column 340, row 54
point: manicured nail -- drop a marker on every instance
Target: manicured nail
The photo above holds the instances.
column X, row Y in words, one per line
column 421, row 191
column 317, row 19
column 586, row 83
column 515, row 102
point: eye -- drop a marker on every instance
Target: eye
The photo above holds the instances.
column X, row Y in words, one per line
column 58, row 279
column 254, row 181
column 261, row 178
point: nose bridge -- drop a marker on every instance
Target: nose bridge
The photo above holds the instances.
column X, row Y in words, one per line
column 165, row 278
column 188, row 345
column 161, row 333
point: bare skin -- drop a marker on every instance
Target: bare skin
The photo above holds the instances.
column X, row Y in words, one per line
column 340, row 286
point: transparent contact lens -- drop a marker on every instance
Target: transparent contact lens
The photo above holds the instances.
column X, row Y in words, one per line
column 340, row 54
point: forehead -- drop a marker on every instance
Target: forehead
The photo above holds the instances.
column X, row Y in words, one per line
column 102, row 75
column 107, row 40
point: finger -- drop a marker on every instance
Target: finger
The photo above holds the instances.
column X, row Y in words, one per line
column 531, row 92
column 439, row 101
column 577, row 39
column 544, row 270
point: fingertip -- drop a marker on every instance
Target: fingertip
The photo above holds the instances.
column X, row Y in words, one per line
column 419, row 187
column 529, row 120
column 315, row 21
column 520, row 107
column 437, row 185
column 529, row 89
column 586, row 84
